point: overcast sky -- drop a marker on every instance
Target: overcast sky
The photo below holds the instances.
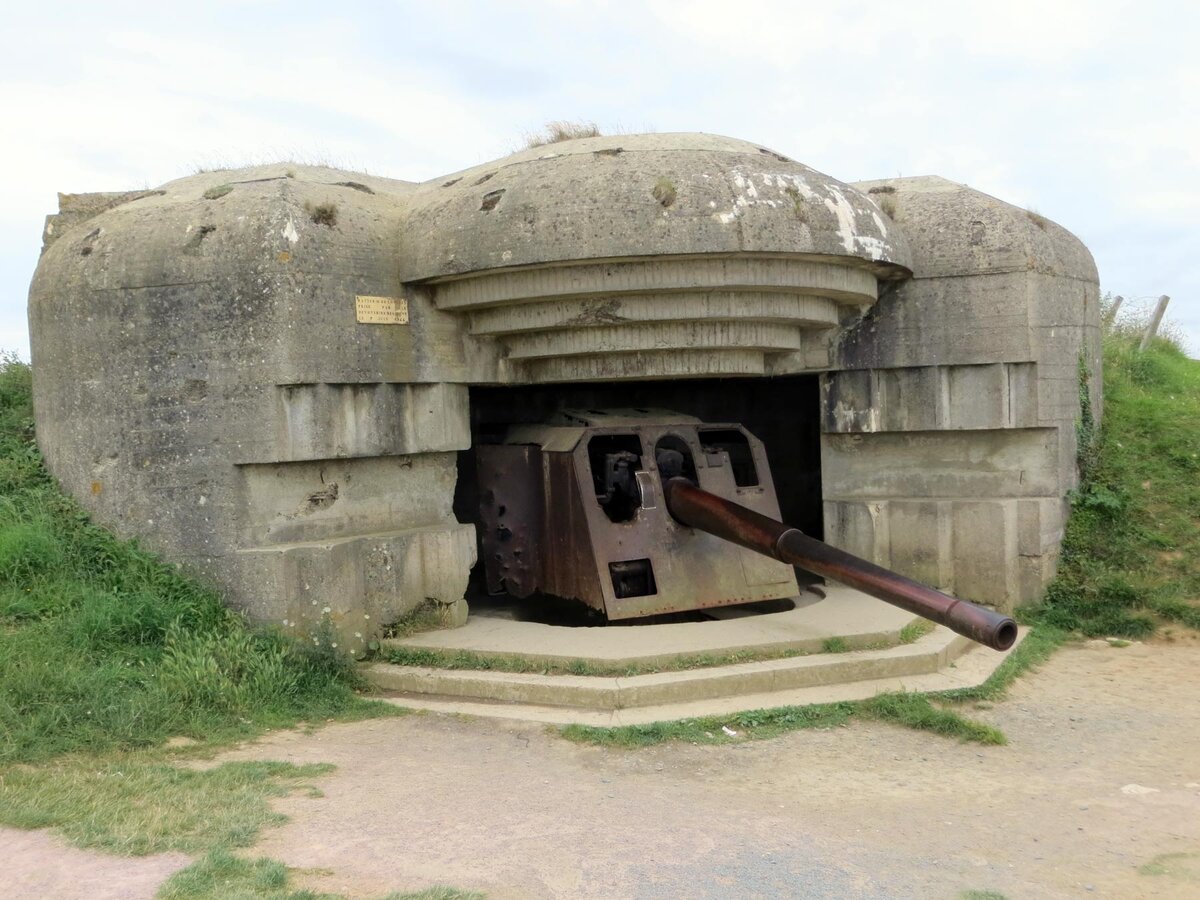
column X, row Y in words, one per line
column 1087, row 112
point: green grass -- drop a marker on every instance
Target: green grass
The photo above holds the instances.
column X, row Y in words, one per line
column 912, row 710
column 1185, row 866
column 764, row 723
column 103, row 647
column 835, row 645
column 467, row 660
column 1131, row 553
column 914, row 631
column 918, row 711
column 464, row 659
column 133, row 807
column 223, row 876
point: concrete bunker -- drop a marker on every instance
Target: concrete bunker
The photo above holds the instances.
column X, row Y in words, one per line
column 280, row 403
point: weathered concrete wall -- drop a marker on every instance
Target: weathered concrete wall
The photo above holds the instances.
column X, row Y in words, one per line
column 205, row 380
column 201, row 382
column 950, row 429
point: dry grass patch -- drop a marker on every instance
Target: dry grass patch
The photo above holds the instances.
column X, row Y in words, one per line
column 557, row 132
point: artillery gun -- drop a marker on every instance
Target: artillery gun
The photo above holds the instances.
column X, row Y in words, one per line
column 639, row 512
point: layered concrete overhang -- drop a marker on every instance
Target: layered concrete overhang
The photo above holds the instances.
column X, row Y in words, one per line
column 647, row 256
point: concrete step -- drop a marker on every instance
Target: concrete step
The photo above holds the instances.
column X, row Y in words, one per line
column 969, row 670
column 930, row 654
column 844, row 613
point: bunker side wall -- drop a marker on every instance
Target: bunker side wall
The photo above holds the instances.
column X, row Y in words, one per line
column 202, row 383
column 950, row 421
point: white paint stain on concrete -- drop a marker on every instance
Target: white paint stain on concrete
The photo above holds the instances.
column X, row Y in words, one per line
column 872, row 246
column 850, row 419
column 783, row 189
column 837, row 204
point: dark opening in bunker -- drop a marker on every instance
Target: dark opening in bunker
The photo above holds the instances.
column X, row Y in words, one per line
column 782, row 412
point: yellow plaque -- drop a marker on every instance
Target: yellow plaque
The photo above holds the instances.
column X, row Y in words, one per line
column 381, row 310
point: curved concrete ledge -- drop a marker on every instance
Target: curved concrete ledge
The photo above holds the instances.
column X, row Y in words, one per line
column 642, row 365
column 551, row 318
column 802, row 310
column 860, row 621
column 843, row 281
column 937, row 662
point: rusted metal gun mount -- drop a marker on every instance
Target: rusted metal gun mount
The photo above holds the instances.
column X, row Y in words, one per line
column 574, row 509
column 639, row 512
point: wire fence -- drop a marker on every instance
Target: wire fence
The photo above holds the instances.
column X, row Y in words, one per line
column 1142, row 318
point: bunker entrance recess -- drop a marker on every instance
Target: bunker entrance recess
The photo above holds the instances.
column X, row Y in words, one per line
column 783, row 412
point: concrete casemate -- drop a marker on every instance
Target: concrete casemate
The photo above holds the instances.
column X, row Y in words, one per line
column 273, row 375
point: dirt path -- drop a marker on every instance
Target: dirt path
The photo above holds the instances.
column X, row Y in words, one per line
column 35, row 864
column 1101, row 777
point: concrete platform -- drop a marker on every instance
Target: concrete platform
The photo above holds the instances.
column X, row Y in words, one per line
column 939, row 660
column 845, row 613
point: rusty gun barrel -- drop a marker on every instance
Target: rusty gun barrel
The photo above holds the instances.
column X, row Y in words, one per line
column 699, row 509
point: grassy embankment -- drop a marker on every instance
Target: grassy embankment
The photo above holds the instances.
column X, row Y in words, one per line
column 1131, row 556
column 104, row 647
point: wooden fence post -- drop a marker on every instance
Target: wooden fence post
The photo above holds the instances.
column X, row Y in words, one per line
column 1155, row 321
column 1111, row 316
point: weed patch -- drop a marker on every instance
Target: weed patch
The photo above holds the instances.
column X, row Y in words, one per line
column 912, row 710
column 914, row 631
column 918, row 711
column 755, row 725
column 322, row 214
column 556, row 132
column 1035, row 649
column 664, row 191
